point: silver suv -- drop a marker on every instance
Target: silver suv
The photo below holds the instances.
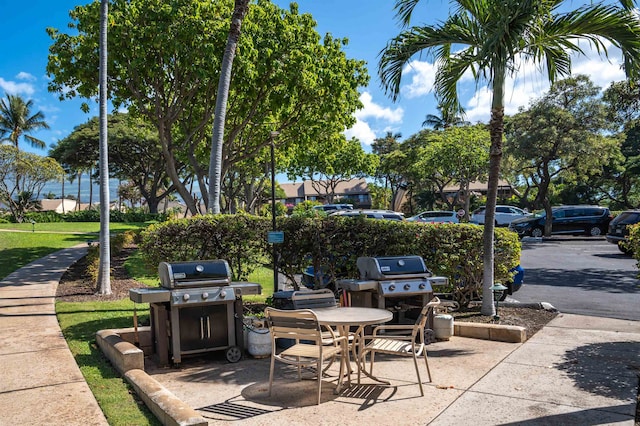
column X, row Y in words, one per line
column 371, row 214
column 504, row 215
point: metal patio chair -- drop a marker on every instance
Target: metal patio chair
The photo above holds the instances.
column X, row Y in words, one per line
column 308, row 350
column 393, row 342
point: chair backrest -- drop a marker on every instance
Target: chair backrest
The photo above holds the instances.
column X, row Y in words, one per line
column 313, row 299
column 425, row 313
column 294, row 324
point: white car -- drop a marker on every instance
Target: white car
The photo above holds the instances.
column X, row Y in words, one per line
column 435, row 216
column 504, row 215
column 371, row 214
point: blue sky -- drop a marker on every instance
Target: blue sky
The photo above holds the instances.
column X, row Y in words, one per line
column 368, row 24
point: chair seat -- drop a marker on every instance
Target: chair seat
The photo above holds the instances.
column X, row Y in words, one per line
column 309, row 351
column 392, row 346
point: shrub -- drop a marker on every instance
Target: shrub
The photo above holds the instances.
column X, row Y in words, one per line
column 239, row 239
column 43, row 217
column 332, row 244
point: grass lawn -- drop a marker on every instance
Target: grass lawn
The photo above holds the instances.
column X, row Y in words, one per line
column 79, row 322
column 17, row 249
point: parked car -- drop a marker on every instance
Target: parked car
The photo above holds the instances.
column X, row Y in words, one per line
column 329, row 208
column 504, row 215
column 618, row 232
column 372, row 214
column 435, row 216
column 588, row 220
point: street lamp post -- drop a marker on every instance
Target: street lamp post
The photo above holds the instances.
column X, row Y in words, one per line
column 272, row 136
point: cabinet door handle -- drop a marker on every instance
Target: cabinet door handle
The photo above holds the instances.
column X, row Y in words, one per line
column 201, row 328
column 208, row 328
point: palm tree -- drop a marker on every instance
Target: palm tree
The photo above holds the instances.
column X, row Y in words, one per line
column 445, row 120
column 240, row 10
column 16, row 121
column 104, row 268
column 489, row 39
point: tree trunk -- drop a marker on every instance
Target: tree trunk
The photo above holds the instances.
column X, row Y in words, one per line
column 78, row 197
column 104, row 270
column 215, row 160
column 496, row 128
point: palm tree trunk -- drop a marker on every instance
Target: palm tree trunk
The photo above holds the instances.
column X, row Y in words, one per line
column 215, row 161
column 496, row 127
column 104, row 270
column 78, row 197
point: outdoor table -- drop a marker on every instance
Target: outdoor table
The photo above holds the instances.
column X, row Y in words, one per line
column 343, row 319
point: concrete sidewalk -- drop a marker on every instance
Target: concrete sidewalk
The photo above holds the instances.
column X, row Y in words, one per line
column 577, row 370
column 40, row 380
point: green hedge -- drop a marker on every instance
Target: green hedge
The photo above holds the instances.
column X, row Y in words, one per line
column 91, row 215
column 634, row 241
column 333, row 244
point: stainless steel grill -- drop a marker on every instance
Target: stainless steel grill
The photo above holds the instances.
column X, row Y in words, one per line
column 396, row 283
column 198, row 309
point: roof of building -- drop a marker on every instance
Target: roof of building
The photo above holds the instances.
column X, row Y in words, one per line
column 308, row 189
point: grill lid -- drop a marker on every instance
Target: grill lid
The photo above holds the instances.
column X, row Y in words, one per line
column 392, row 267
column 198, row 273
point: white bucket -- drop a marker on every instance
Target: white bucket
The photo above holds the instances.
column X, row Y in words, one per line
column 258, row 342
column 443, row 326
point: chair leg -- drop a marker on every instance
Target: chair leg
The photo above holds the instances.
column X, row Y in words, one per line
column 415, row 364
column 273, row 361
column 319, row 370
column 426, row 361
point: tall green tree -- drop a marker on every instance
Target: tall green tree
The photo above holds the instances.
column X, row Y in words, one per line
column 135, row 155
column 23, row 176
column 455, row 156
column 383, row 148
column 326, row 169
column 621, row 182
column 275, row 83
column 17, row 121
column 561, row 135
column 489, row 39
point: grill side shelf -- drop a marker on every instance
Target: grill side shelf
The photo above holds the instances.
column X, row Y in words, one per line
column 149, row 295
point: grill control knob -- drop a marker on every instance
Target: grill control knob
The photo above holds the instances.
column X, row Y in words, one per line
column 422, row 286
column 407, row 286
column 185, row 297
column 223, row 294
column 199, row 268
column 205, row 295
column 392, row 287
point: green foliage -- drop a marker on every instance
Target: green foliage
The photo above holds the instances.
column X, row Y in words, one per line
column 634, row 241
column 44, row 217
column 131, row 216
column 240, row 239
column 265, row 210
column 305, row 209
column 332, row 244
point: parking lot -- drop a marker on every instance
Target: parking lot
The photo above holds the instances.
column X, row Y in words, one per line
column 580, row 275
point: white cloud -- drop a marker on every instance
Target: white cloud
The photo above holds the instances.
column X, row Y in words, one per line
column 362, row 132
column 25, row 76
column 422, row 76
column 370, row 117
column 373, row 110
column 13, row 88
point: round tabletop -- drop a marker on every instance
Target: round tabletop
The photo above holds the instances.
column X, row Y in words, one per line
column 352, row 316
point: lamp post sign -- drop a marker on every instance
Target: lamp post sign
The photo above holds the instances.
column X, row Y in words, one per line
column 275, row 237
